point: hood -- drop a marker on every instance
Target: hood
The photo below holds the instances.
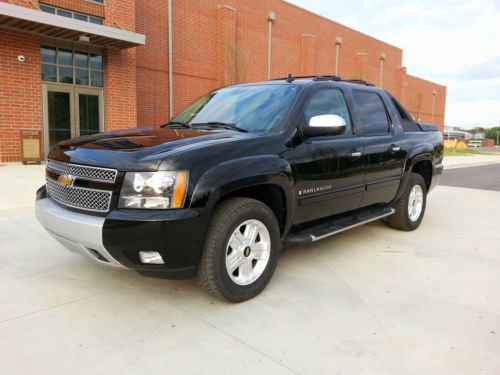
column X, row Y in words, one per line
column 142, row 148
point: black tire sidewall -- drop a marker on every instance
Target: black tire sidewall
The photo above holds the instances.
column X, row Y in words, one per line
column 415, row 179
column 256, row 211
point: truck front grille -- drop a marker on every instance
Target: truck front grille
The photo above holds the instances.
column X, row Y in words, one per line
column 81, row 198
column 83, row 172
column 65, row 184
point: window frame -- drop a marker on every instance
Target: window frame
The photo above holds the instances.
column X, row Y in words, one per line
column 74, row 66
column 390, row 129
column 346, row 102
column 72, row 13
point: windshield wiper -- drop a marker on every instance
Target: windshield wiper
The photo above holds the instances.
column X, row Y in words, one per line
column 219, row 124
column 181, row 123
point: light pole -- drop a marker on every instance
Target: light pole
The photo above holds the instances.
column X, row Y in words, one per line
column 497, row 137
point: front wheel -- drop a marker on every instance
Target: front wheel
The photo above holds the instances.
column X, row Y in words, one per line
column 410, row 208
column 241, row 250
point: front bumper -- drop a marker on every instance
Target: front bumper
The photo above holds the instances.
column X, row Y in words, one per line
column 115, row 240
column 77, row 232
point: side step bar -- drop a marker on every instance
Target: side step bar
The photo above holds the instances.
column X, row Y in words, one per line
column 338, row 225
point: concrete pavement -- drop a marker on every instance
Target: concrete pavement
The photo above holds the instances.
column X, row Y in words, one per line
column 371, row 300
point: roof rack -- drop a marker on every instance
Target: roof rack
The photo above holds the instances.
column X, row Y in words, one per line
column 359, row 81
column 317, row 78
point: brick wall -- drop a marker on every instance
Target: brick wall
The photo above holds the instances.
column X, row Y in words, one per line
column 418, row 99
column 120, row 87
column 20, row 91
column 303, row 44
column 24, row 3
column 216, row 43
column 152, row 63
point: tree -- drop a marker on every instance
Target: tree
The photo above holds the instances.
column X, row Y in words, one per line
column 417, row 104
column 491, row 133
column 237, row 63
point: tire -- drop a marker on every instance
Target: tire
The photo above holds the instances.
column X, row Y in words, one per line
column 234, row 267
column 403, row 219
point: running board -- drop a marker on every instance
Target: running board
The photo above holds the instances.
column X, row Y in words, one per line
column 338, row 225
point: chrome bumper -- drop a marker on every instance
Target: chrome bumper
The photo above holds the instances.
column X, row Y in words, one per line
column 77, row 232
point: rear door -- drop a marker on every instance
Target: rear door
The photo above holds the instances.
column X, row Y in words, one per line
column 328, row 171
column 381, row 147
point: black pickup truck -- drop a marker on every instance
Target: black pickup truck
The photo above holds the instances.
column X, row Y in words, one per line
column 241, row 173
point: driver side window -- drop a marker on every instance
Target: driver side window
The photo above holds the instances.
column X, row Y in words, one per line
column 329, row 102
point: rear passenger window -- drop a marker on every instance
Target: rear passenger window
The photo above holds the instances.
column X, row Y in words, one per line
column 329, row 102
column 370, row 112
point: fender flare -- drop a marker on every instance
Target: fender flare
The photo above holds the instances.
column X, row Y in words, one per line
column 422, row 152
column 227, row 177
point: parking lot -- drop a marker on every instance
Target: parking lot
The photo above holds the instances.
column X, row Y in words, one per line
column 371, row 300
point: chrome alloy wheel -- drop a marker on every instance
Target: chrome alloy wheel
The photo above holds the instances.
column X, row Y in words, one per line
column 415, row 203
column 247, row 252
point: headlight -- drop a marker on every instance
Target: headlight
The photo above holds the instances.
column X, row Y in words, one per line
column 153, row 190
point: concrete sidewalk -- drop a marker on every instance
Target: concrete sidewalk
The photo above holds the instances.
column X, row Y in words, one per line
column 371, row 300
column 451, row 162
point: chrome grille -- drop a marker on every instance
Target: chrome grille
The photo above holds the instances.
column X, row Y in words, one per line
column 83, row 172
column 84, row 199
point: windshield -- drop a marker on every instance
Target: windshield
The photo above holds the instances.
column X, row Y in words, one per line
column 252, row 108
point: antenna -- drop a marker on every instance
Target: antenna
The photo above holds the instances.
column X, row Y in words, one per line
column 290, row 78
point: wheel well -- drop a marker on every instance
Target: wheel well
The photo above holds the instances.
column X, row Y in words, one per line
column 424, row 168
column 271, row 195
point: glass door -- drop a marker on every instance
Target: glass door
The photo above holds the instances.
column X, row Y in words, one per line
column 71, row 112
column 89, row 111
column 58, row 113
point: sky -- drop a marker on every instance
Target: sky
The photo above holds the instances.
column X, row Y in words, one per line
column 453, row 43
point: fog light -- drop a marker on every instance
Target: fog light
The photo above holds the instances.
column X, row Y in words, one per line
column 150, row 257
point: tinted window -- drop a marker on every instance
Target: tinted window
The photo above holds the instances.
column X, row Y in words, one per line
column 328, row 102
column 370, row 113
column 254, row 108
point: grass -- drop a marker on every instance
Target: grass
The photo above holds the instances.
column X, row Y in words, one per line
column 461, row 152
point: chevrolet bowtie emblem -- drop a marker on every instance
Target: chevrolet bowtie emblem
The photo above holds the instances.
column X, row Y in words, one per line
column 65, row 180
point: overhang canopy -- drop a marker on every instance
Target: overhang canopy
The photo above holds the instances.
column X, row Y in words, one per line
column 33, row 21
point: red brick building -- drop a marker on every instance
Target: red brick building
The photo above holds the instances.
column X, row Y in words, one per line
column 74, row 67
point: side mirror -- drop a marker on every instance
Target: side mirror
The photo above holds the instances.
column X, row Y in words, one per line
column 325, row 125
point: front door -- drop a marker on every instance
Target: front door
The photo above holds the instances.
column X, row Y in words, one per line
column 71, row 112
column 328, row 171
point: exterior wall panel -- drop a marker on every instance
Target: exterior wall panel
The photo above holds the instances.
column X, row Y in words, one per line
column 215, row 43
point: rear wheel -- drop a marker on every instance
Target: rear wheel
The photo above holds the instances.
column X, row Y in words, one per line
column 410, row 208
column 241, row 250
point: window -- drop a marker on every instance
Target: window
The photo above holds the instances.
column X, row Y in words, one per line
column 72, row 67
column 70, row 14
column 258, row 108
column 370, row 112
column 329, row 102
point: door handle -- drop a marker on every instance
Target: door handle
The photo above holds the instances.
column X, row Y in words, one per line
column 354, row 154
column 395, row 148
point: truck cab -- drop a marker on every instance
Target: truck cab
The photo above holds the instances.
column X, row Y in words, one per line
column 241, row 173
